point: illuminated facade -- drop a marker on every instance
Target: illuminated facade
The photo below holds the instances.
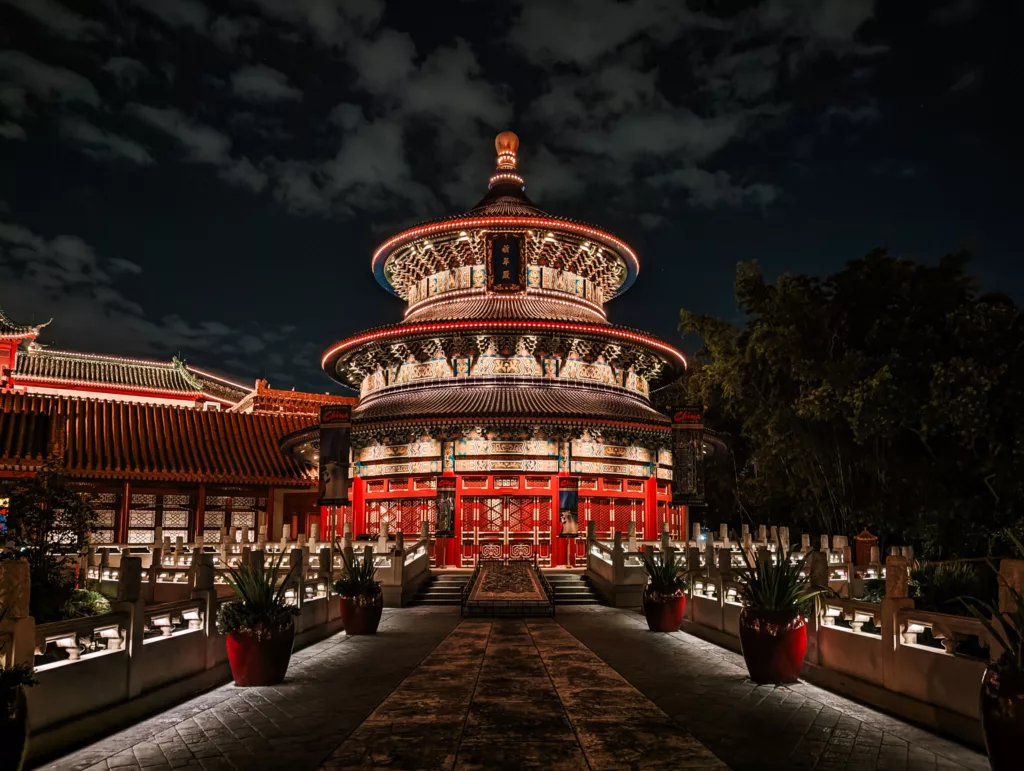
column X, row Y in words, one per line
column 506, row 376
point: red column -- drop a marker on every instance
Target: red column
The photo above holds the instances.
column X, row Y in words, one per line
column 559, row 546
column 651, row 532
column 126, row 505
column 358, row 507
column 453, row 550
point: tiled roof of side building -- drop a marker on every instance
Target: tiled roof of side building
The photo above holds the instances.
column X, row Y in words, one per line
column 514, row 402
column 159, row 377
column 10, row 330
column 277, row 401
column 151, row 442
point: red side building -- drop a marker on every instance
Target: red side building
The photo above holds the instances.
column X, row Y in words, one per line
column 506, row 376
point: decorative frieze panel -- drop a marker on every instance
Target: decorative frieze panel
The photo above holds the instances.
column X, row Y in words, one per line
column 415, row 467
column 585, row 449
column 665, row 473
column 601, row 467
column 489, row 465
column 497, row 447
column 424, row 449
column 475, row 277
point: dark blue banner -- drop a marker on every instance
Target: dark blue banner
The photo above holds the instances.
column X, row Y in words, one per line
column 506, row 270
column 335, row 434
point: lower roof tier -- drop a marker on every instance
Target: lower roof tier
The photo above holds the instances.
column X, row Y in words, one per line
column 523, row 402
column 352, row 360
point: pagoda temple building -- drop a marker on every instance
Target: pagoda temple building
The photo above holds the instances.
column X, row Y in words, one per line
column 505, row 391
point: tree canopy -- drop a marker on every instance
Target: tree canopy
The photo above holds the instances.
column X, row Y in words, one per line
column 888, row 395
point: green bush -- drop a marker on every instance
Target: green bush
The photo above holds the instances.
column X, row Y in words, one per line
column 937, row 586
column 260, row 608
column 84, row 603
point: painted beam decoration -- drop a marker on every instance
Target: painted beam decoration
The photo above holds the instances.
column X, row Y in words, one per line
column 335, row 440
column 687, row 457
column 445, row 507
column 506, row 269
column 569, row 506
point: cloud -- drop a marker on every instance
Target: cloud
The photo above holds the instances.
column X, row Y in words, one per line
column 104, row 145
column 64, row 278
column 58, row 20
column 864, row 113
column 332, row 22
column 260, row 83
column 711, row 189
column 11, row 131
column 190, row 14
column 26, row 75
column 126, row 71
column 201, row 144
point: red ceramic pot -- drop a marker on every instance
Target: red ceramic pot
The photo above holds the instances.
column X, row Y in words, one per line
column 260, row 659
column 664, row 613
column 1002, row 715
column 774, row 643
column 361, row 614
column 13, row 729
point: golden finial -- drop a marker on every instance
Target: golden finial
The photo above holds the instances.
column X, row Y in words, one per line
column 507, row 144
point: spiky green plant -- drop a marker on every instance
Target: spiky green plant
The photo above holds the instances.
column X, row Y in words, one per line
column 1006, row 627
column 780, row 585
column 357, row 578
column 261, row 608
column 665, row 573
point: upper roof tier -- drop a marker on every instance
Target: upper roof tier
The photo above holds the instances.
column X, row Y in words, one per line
column 11, row 331
column 408, row 260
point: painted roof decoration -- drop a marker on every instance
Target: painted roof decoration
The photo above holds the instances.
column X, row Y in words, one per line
column 265, row 400
column 458, row 240
column 101, row 439
column 11, row 331
column 169, row 379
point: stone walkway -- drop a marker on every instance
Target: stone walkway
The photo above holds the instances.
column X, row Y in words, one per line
column 705, row 688
column 592, row 689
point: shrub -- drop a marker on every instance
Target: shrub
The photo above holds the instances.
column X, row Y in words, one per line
column 769, row 585
column 260, row 608
column 358, row 577
column 665, row 574
column 938, row 586
column 84, row 603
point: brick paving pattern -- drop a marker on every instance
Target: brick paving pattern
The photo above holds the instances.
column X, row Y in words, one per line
column 705, row 688
column 592, row 689
column 330, row 689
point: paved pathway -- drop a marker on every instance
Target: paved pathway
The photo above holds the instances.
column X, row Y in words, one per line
column 592, row 689
column 510, row 694
column 705, row 688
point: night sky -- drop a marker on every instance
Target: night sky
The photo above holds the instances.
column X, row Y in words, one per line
column 210, row 179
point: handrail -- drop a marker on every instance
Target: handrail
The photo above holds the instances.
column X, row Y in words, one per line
column 468, row 587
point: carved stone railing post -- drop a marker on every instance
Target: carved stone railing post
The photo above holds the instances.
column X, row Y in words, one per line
column 618, row 560
column 897, row 583
column 129, row 600
column 297, row 557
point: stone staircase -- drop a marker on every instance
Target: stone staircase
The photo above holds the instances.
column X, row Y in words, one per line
column 445, row 588
column 572, row 588
column 442, row 589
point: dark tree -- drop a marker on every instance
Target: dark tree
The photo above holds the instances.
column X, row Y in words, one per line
column 886, row 395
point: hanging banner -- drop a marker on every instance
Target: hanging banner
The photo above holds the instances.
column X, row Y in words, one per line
column 445, row 507
column 335, row 437
column 687, row 457
column 569, row 507
column 506, row 268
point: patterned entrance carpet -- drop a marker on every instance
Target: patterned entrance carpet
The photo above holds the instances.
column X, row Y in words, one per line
column 518, row 695
column 513, row 581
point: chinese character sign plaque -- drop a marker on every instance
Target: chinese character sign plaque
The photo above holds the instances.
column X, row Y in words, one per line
column 687, row 457
column 506, row 269
column 335, row 430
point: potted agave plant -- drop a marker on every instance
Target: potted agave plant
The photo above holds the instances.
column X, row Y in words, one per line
column 259, row 624
column 13, row 709
column 665, row 593
column 1002, row 686
column 773, row 630
column 361, row 598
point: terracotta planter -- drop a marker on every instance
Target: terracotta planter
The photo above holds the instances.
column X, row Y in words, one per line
column 1002, row 716
column 774, row 643
column 13, row 731
column 260, row 659
column 361, row 614
column 664, row 613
